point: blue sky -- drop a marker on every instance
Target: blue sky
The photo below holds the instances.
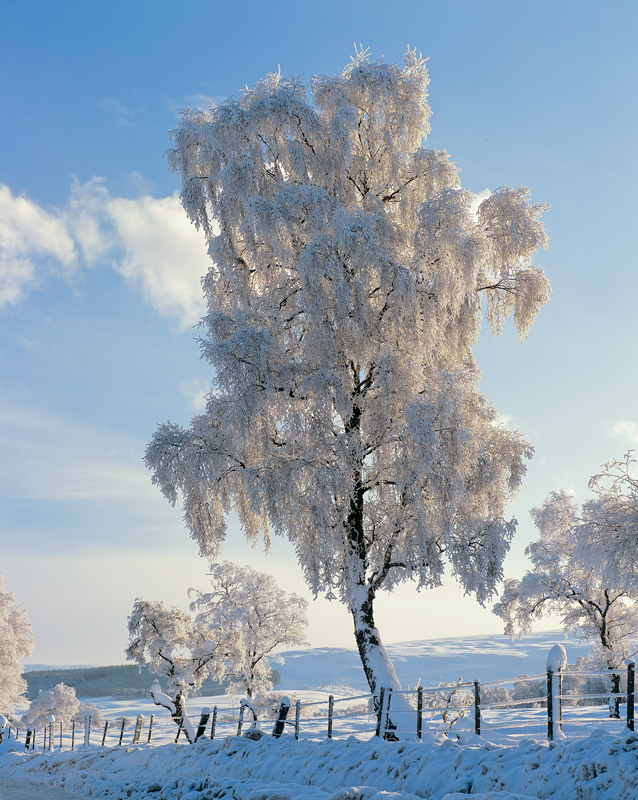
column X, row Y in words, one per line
column 99, row 270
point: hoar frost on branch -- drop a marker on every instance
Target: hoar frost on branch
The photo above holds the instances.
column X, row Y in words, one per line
column 232, row 635
column 344, row 297
column 175, row 647
column 63, row 704
column 16, row 643
column 261, row 617
column 560, row 583
column 609, row 529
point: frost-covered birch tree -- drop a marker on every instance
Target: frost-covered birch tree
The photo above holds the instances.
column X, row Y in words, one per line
column 560, row 583
column 608, row 535
column 174, row 646
column 16, row 644
column 261, row 616
column 349, row 277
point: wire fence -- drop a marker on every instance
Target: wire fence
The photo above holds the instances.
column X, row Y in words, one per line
column 547, row 705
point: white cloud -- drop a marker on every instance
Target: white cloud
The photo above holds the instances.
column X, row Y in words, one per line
column 163, row 254
column 477, row 199
column 196, row 392
column 148, row 241
column 626, row 430
column 28, row 234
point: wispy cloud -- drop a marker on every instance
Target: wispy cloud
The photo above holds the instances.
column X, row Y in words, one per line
column 49, row 458
column 196, row 392
column 116, row 109
column 625, row 430
column 192, row 101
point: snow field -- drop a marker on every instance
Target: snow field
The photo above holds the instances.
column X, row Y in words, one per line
column 601, row 766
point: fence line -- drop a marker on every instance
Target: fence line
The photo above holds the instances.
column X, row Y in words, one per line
column 458, row 699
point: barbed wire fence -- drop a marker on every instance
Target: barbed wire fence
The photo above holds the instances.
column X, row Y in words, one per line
column 550, row 702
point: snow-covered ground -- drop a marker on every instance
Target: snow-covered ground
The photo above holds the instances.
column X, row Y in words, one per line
column 597, row 759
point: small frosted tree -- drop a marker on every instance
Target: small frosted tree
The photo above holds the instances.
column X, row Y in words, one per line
column 608, row 530
column 174, row 646
column 262, row 616
column 348, row 280
column 16, row 644
column 62, row 702
column 559, row 583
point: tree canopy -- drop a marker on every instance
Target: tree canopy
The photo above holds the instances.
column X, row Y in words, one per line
column 560, row 583
column 16, row 644
column 349, row 278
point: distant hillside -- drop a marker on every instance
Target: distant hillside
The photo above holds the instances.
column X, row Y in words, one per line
column 122, row 681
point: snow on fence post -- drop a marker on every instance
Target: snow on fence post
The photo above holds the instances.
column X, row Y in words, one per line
column 419, row 713
column 331, row 706
column 87, row 730
column 138, row 728
column 213, row 723
column 179, row 728
column 27, row 739
column 72, row 734
column 556, row 662
column 60, row 735
column 297, row 715
column 106, row 727
column 203, row 722
column 51, row 723
column 150, row 728
column 241, row 719
column 282, row 715
column 477, row 708
column 631, row 681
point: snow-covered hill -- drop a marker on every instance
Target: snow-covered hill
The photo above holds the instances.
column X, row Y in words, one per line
column 483, row 658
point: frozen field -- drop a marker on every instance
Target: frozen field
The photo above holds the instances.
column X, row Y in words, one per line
column 594, row 759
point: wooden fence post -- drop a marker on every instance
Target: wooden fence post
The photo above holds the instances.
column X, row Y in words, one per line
column 106, row 727
column 203, row 722
column 72, row 734
column 614, row 701
column 122, row 730
column 150, row 728
column 139, row 722
column 331, row 706
column 419, row 713
column 380, row 711
column 631, row 680
column 550, row 704
column 213, row 723
column 297, row 715
column 60, row 736
column 87, row 730
column 280, row 722
column 477, row 708
column 241, row 720
column 179, row 727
